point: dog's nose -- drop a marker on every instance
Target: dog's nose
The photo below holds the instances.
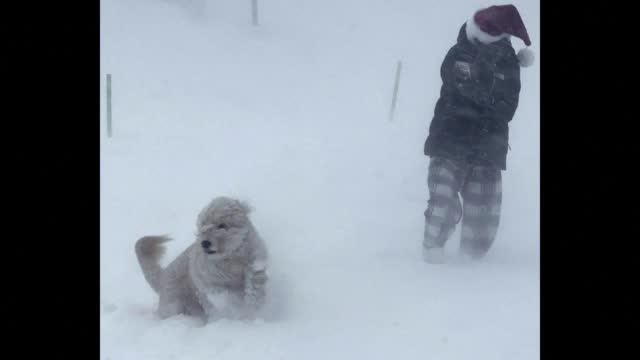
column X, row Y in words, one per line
column 206, row 244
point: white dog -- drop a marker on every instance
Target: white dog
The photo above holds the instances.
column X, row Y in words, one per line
column 223, row 274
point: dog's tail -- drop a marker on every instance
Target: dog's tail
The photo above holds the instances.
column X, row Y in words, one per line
column 149, row 250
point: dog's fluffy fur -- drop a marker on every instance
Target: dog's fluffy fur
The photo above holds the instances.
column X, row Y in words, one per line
column 223, row 274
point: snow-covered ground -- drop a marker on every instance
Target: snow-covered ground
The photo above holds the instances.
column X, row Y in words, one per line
column 292, row 116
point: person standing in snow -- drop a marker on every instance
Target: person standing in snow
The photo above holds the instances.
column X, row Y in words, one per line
column 468, row 136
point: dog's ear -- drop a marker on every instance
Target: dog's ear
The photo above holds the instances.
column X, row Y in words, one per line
column 245, row 206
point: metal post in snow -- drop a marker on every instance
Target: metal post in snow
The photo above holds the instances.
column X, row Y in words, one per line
column 395, row 90
column 254, row 12
column 109, row 105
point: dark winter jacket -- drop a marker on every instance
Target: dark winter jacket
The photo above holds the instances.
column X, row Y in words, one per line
column 478, row 98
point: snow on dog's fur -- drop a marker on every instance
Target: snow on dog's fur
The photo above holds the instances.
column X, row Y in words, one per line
column 222, row 274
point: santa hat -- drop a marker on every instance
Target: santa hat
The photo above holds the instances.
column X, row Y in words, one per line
column 497, row 22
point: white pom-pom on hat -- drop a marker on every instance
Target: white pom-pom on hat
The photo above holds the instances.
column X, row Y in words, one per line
column 526, row 57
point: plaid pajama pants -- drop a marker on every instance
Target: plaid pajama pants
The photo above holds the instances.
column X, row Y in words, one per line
column 481, row 191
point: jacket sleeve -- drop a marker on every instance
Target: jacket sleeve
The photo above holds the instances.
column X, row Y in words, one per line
column 470, row 76
column 507, row 94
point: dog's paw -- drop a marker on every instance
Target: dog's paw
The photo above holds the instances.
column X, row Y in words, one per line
column 109, row 308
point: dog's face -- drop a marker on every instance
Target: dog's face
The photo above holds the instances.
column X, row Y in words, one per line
column 222, row 227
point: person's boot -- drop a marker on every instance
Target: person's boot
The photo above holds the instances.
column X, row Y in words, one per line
column 434, row 255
